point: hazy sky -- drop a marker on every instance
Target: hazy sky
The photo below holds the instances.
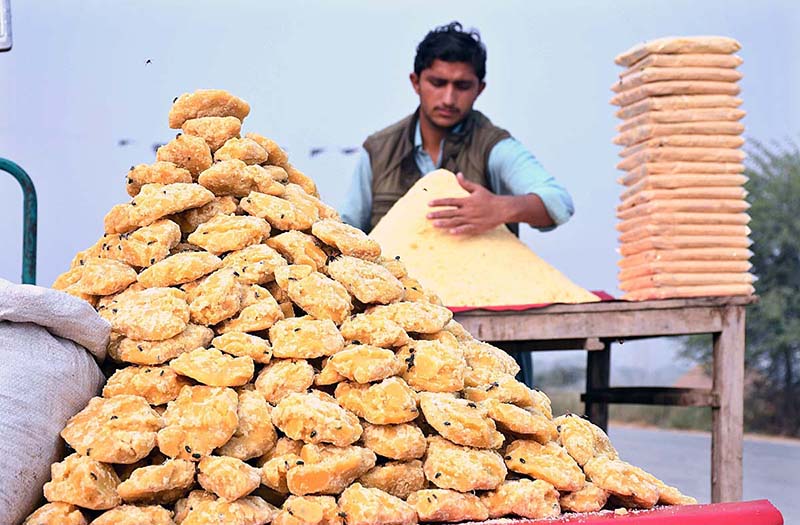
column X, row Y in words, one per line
column 325, row 74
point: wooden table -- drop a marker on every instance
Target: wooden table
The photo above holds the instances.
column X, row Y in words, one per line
column 595, row 326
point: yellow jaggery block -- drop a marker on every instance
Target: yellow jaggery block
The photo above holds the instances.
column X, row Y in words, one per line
column 494, row 268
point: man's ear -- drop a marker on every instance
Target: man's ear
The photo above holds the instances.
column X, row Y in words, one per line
column 481, row 87
column 414, row 78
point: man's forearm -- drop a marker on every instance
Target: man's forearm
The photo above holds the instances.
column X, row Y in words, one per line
column 524, row 208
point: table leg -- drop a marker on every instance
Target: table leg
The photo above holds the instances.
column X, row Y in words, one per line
column 525, row 362
column 728, row 418
column 598, row 374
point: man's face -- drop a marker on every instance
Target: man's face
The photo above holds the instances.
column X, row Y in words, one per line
column 447, row 91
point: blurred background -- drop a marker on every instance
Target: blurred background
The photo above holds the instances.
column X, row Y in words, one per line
column 85, row 91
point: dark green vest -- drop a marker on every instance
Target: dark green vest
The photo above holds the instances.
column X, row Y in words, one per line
column 394, row 171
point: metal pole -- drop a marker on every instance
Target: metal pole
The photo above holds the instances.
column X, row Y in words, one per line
column 29, row 218
column 5, row 26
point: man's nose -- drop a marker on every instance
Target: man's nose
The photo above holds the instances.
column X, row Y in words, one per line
column 450, row 95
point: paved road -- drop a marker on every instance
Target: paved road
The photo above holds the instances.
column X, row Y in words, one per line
column 683, row 459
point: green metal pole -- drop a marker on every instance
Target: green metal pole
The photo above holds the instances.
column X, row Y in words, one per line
column 29, row 218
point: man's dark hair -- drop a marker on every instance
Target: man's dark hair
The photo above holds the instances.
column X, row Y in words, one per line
column 452, row 44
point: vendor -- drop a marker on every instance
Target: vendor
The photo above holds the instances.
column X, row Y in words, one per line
column 506, row 184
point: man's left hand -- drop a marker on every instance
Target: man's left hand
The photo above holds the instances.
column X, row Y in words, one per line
column 477, row 213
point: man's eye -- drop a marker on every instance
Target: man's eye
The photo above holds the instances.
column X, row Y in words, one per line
column 437, row 82
column 463, row 86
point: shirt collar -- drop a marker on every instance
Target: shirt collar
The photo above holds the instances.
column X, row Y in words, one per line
column 418, row 133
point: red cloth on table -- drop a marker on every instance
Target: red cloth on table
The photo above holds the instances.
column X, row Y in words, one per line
column 757, row 512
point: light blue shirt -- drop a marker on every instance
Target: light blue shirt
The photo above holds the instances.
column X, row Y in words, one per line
column 513, row 170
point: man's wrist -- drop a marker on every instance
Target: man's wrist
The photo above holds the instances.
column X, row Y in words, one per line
column 509, row 209
column 528, row 209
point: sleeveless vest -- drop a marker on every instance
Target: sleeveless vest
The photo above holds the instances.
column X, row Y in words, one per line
column 394, row 171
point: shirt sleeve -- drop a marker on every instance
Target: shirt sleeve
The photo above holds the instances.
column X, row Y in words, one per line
column 513, row 170
column 357, row 207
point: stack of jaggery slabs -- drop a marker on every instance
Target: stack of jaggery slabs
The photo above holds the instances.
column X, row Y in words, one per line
column 683, row 216
column 273, row 367
column 491, row 269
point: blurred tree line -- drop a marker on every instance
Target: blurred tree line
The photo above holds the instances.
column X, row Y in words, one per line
column 772, row 373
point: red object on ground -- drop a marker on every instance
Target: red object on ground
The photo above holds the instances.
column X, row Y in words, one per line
column 757, row 512
column 519, row 307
